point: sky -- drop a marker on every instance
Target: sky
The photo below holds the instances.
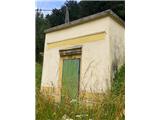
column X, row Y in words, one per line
column 49, row 5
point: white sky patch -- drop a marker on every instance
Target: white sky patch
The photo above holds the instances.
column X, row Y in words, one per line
column 48, row 0
column 52, row 0
column 48, row 5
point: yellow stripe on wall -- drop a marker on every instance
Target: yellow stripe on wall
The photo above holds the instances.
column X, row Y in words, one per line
column 78, row 40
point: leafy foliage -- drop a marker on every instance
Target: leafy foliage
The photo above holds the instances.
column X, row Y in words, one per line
column 56, row 17
column 118, row 81
column 41, row 25
column 38, row 75
column 92, row 7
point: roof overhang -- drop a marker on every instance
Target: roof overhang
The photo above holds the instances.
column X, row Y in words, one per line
column 87, row 19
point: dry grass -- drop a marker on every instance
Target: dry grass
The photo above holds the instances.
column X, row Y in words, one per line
column 111, row 108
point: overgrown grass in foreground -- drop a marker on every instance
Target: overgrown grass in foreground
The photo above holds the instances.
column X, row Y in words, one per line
column 111, row 108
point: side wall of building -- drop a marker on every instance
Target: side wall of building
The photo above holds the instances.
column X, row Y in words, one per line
column 117, row 45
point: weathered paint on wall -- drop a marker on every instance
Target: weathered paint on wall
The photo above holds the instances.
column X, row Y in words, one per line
column 117, row 48
column 96, row 59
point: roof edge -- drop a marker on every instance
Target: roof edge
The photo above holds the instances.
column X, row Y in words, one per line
column 86, row 19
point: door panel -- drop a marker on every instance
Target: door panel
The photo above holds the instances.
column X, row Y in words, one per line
column 70, row 78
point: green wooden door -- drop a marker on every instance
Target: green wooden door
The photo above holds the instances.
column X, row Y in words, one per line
column 70, row 78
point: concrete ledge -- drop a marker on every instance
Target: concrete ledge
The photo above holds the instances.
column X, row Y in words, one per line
column 87, row 19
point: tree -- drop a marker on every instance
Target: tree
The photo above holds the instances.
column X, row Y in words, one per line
column 92, row 7
column 73, row 8
column 41, row 25
column 56, row 17
column 84, row 8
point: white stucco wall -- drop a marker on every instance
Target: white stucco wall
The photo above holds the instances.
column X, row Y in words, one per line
column 96, row 56
column 91, row 27
column 94, row 67
column 117, row 44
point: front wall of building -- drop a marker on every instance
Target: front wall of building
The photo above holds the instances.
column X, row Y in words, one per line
column 91, row 27
column 95, row 59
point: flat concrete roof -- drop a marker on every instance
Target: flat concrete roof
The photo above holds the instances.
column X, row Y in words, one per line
column 87, row 19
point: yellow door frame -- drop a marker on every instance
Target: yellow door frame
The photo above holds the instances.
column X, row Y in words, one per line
column 62, row 58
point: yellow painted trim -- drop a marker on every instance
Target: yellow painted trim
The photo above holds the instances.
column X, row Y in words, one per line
column 78, row 40
column 94, row 97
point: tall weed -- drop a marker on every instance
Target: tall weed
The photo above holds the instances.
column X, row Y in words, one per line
column 111, row 108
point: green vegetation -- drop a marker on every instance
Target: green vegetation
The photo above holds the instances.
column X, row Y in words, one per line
column 111, row 108
column 38, row 75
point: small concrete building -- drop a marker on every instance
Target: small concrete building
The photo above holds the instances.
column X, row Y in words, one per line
column 81, row 57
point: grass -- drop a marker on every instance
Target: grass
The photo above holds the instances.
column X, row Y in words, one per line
column 38, row 75
column 111, row 108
